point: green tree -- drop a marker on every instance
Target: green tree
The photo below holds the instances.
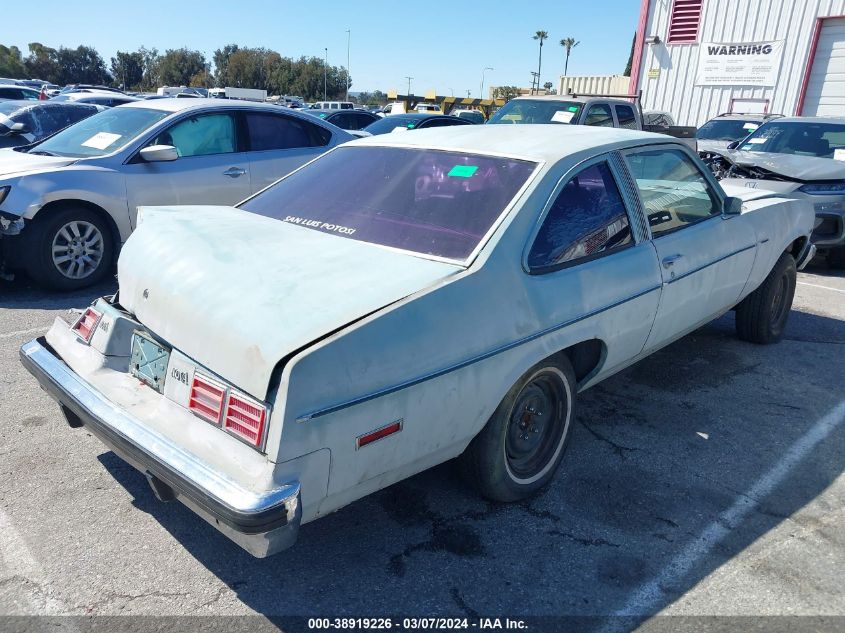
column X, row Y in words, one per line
column 151, row 65
column 41, row 63
column 568, row 44
column 178, row 66
column 11, row 62
column 542, row 36
column 505, row 92
column 221, row 64
column 128, row 69
column 82, row 64
column 627, row 72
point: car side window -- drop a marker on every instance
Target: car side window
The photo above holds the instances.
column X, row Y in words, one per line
column 599, row 115
column 276, row 131
column 201, row 135
column 674, row 192
column 587, row 218
column 625, row 116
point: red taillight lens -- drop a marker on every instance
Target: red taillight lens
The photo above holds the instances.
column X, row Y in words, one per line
column 207, row 398
column 384, row 431
column 87, row 324
column 245, row 418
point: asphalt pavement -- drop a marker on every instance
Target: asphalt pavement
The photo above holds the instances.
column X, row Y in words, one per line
column 705, row 481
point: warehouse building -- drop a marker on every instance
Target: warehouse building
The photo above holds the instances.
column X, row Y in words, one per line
column 699, row 58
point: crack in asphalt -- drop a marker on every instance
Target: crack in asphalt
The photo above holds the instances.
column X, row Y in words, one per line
column 618, row 449
column 590, row 542
column 461, row 603
column 112, row 596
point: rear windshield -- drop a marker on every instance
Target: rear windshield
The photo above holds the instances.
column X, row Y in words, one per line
column 726, row 130
column 428, row 202
column 537, row 111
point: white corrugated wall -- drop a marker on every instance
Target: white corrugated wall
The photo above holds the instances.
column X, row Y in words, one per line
column 593, row 84
column 729, row 21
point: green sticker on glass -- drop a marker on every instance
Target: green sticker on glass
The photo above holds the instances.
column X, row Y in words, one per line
column 462, row 171
column 410, row 125
column 573, row 108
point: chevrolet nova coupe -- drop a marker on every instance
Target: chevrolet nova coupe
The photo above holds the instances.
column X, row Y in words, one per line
column 404, row 300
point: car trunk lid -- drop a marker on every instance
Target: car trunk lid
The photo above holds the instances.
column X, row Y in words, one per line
column 238, row 292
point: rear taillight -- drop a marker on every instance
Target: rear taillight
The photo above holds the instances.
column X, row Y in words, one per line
column 207, row 398
column 86, row 325
column 245, row 418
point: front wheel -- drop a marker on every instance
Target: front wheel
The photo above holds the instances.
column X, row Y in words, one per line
column 520, row 448
column 70, row 248
column 761, row 317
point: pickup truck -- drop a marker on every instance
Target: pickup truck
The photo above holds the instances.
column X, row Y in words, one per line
column 596, row 110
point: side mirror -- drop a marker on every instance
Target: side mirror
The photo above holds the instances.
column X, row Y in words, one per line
column 732, row 206
column 159, row 153
column 733, row 145
column 18, row 128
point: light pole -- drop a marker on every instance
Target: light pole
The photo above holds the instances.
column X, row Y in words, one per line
column 325, row 76
column 348, row 42
column 483, row 70
column 409, row 85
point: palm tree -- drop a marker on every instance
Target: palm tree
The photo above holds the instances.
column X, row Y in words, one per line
column 568, row 43
column 542, row 36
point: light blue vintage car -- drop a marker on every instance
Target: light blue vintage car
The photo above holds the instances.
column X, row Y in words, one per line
column 404, row 300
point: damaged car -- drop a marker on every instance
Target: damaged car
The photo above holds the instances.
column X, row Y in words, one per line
column 448, row 295
column 798, row 157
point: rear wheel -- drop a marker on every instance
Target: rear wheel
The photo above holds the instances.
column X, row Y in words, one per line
column 836, row 258
column 761, row 317
column 520, row 448
column 69, row 248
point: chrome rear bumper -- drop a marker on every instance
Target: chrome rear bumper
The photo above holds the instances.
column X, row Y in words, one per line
column 263, row 523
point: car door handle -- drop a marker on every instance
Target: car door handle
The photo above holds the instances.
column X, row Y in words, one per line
column 670, row 260
column 234, row 172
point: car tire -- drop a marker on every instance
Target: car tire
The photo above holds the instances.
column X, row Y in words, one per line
column 836, row 258
column 761, row 317
column 520, row 448
column 69, row 248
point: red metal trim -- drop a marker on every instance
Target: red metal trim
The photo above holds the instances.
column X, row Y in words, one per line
column 810, row 59
column 639, row 43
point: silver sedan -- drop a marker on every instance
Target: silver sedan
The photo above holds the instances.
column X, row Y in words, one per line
column 70, row 201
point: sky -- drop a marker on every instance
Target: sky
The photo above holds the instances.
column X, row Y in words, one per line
column 443, row 45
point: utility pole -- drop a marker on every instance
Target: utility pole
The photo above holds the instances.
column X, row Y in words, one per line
column 409, row 84
column 325, row 76
column 481, row 95
column 348, row 42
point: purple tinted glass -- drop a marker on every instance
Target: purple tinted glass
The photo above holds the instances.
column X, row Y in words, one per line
column 425, row 201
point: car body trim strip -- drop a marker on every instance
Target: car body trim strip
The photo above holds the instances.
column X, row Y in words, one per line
column 441, row 372
column 708, row 264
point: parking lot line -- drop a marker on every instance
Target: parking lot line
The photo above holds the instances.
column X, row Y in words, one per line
column 649, row 596
column 804, row 283
column 20, row 563
column 34, row 330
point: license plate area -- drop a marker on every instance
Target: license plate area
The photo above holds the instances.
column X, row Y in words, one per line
column 148, row 362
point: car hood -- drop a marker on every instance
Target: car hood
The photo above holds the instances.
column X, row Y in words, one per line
column 13, row 163
column 789, row 166
column 238, row 292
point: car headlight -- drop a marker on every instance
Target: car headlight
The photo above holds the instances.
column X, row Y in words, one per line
column 4, row 191
column 832, row 189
